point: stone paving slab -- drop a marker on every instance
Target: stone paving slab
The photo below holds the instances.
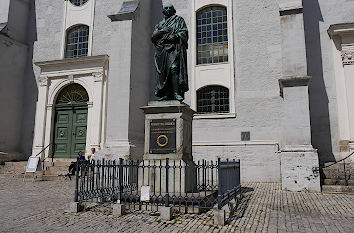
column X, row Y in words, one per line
column 42, row 207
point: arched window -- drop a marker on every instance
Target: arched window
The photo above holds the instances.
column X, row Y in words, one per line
column 72, row 94
column 213, row 99
column 212, row 39
column 78, row 2
column 77, row 41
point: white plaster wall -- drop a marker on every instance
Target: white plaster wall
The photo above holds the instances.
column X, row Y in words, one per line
column 259, row 107
column 49, row 20
column 293, row 45
column 296, row 122
column 322, row 59
column 4, row 10
column 259, row 163
column 114, row 39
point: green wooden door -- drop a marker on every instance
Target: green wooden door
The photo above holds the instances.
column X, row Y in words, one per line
column 79, row 127
column 70, row 132
column 70, row 122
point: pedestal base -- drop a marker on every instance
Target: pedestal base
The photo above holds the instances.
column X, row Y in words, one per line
column 300, row 169
column 181, row 176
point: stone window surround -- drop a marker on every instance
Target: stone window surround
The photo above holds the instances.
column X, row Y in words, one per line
column 81, row 3
column 221, row 74
column 342, row 36
column 76, row 15
column 89, row 72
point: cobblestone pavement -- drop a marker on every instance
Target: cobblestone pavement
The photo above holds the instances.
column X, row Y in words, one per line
column 42, row 207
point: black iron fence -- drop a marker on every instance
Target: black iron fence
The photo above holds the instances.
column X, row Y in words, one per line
column 201, row 185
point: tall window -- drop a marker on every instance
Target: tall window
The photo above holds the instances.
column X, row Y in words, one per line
column 78, row 2
column 213, row 99
column 212, row 40
column 77, row 41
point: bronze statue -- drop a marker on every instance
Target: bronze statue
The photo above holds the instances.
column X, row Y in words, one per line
column 170, row 38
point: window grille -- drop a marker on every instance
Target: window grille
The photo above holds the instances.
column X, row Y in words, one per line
column 77, row 41
column 212, row 38
column 213, row 99
column 78, row 2
column 72, row 94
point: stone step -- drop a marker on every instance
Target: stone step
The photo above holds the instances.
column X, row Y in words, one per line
column 339, row 165
column 61, row 167
column 349, row 176
column 60, row 162
column 56, row 177
column 13, row 167
column 334, row 173
column 337, row 182
column 57, row 168
column 338, row 189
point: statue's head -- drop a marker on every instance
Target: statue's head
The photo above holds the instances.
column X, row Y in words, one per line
column 168, row 10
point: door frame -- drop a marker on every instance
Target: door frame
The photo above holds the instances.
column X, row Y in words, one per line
column 91, row 73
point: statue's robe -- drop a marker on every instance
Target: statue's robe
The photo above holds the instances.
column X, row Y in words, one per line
column 168, row 53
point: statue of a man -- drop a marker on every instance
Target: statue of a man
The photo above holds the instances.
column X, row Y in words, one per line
column 170, row 38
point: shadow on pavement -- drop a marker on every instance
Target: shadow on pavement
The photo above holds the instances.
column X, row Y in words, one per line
column 241, row 204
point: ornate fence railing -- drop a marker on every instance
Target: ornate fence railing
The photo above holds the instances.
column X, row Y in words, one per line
column 176, row 183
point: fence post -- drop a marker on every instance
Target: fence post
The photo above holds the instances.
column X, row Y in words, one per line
column 76, row 198
column 120, row 178
column 102, row 180
column 219, row 184
column 113, row 177
column 167, row 194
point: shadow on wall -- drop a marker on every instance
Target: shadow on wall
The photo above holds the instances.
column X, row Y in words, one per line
column 30, row 92
column 319, row 110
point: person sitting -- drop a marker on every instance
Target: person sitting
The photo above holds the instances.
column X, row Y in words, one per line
column 72, row 166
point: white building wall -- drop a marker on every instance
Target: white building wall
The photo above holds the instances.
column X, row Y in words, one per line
column 329, row 119
column 4, row 10
column 258, row 105
column 49, row 20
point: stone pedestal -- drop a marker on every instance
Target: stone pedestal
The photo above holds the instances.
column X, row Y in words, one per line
column 168, row 135
column 299, row 160
column 171, row 120
column 299, row 169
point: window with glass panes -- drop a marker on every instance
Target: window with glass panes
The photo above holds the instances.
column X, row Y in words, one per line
column 212, row 39
column 213, row 99
column 77, row 42
column 78, row 2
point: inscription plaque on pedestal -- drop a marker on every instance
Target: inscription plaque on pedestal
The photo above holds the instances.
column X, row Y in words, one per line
column 162, row 136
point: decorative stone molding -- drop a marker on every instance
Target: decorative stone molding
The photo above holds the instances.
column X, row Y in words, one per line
column 127, row 11
column 49, row 106
column 291, row 8
column 71, row 78
column 43, row 81
column 98, row 76
column 293, row 82
column 348, row 57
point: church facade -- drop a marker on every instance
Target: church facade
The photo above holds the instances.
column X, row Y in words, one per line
column 270, row 81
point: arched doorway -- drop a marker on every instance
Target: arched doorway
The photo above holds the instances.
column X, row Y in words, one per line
column 70, row 121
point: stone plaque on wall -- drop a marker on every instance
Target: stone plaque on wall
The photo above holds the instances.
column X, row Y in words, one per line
column 162, row 136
